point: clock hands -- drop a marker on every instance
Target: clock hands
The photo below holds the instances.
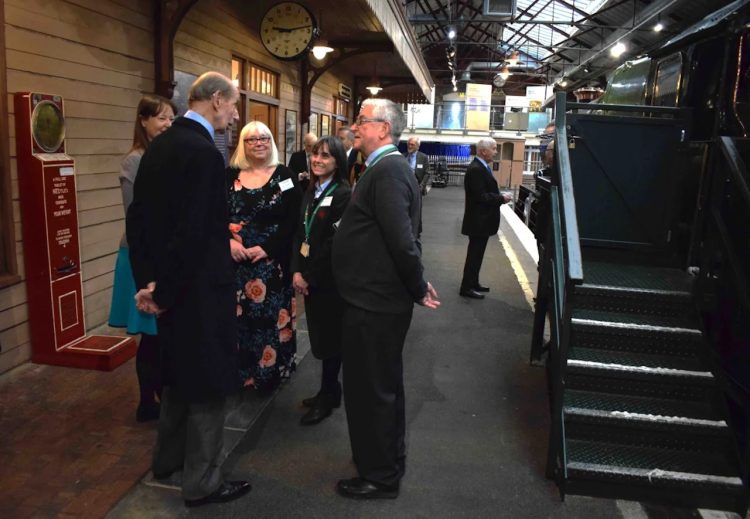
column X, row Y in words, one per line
column 290, row 29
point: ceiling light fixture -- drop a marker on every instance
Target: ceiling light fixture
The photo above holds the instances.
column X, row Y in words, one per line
column 618, row 49
column 504, row 72
column 374, row 86
column 563, row 83
column 451, row 33
column 451, row 51
column 658, row 27
column 321, row 49
column 513, row 59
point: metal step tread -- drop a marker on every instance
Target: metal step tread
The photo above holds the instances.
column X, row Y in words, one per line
column 636, row 277
column 646, row 408
column 657, row 323
column 654, row 465
column 637, row 362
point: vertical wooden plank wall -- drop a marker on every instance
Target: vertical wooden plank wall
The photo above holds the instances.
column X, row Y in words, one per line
column 98, row 54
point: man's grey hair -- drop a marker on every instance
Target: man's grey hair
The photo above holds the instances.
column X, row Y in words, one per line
column 389, row 111
column 414, row 138
column 208, row 84
column 485, row 143
column 349, row 132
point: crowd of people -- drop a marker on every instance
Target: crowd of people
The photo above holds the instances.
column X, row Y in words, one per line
column 213, row 257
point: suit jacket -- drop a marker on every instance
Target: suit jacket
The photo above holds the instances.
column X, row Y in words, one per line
column 483, row 201
column 323, row 304
column 298, row 164
column 177, row 229
column 420, row 166
column 377, row 262
column 351, row 159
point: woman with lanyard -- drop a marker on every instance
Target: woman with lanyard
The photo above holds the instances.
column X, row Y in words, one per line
column 323, row 204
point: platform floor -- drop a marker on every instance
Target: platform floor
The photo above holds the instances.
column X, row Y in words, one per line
column 477, row 418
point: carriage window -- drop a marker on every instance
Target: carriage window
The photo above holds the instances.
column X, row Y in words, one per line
column 667, row 81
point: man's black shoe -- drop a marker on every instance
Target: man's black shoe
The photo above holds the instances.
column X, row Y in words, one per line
column 322, row 409
column 312, row 401
column 470, row 293
column 228, row 491
column 480, row 288
column 358, row 488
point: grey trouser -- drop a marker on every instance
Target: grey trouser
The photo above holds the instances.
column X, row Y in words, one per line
column 191, row 439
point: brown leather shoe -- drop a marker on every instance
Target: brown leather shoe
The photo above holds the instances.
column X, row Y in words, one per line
column 228, row 491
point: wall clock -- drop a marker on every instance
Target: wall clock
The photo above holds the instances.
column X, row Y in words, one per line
column 287, row 30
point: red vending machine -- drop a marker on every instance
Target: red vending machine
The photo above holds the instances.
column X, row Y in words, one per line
column 49, row 209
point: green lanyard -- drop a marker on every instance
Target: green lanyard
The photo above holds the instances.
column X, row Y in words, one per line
column 308, row 217
column 387, row 151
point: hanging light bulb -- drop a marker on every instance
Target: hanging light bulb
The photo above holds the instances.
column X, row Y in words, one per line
column 513, row 59
column 618, row 49
column 658, row 27
column 321, row 49
column 452, row 33
column 504, row 72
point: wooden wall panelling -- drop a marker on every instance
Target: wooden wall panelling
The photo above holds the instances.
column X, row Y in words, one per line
column 97, row 54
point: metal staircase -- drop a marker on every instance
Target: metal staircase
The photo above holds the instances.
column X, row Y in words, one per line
column 637, row 399
column 643, row 415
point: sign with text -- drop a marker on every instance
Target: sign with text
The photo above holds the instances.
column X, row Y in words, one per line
column 478, row 100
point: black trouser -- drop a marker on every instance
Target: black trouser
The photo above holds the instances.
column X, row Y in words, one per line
column 148, row 368
column 374, row 391
column 191, row 438
column 329, row 382
column 474, row 256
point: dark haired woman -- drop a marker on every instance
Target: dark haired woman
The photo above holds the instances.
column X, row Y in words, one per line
column 155, row 115
column 324, row 202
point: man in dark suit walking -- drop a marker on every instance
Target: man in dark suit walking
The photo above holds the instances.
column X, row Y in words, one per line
column 299, row 162
column 378, row 270
column 481, row 215
column 179, row 249
column 346, row 136
column 418, row 161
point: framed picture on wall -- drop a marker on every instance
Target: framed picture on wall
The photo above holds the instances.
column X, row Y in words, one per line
column 290, row 133
column 314, row 124
column 325, row 125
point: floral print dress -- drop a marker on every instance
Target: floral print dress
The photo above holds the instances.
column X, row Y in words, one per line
column 266, row 314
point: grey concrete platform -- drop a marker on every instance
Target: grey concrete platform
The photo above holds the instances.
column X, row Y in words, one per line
column 477, row 416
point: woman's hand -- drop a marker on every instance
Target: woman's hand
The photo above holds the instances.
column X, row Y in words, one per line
column 239, row 253
column 256, row 253
column 299, row 284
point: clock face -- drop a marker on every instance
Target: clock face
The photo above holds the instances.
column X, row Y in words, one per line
column 287, row 30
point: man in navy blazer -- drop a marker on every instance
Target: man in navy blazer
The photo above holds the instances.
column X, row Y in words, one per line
column 177, row 230
column 481, row 215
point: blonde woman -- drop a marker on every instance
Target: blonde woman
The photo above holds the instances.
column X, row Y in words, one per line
column 264, row 201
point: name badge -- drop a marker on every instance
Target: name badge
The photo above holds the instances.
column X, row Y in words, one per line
column 326, row 202
column 304, row 249
column 420, row 166
column 286, row 184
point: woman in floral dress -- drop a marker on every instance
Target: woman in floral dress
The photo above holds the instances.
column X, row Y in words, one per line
column 264, row 202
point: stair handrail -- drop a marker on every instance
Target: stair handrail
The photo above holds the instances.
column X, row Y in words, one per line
column 561, row 270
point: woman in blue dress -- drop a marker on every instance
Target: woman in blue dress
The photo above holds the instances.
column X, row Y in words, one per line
column 155, row 115
column 264, row 201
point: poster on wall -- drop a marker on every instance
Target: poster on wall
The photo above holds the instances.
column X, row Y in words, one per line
column 478, row 99
column 313, row 128
column 290, row 133
column 325, row 125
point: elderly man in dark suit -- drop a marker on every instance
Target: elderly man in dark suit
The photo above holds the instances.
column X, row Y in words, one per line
column 378, row 270
column 179, row 249
column 481, row 215
column 299, row 162
column 418, row 161
column 346, row 136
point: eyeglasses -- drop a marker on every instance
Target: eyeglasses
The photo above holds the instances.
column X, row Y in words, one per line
column 255, row 140
column 359, row 121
